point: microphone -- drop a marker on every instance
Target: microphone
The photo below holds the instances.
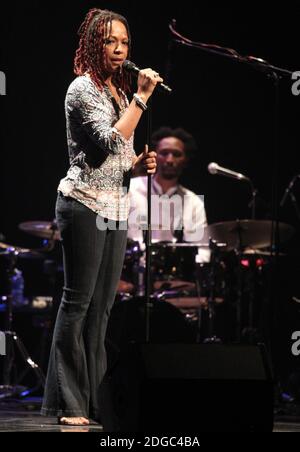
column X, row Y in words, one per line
column 214, row 168
column 131, row 67
column 288, row 190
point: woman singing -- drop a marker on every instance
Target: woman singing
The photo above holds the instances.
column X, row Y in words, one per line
column 92, row 210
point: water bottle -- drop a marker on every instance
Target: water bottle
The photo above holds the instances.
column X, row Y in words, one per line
column 18, row 288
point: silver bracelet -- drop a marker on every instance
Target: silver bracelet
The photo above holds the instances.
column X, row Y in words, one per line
column 139, row 102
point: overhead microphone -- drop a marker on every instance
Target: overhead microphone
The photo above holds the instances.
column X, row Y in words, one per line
column 214, row 168
column 131, row 67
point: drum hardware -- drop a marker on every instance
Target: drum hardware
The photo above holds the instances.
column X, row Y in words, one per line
column 140, row 271
column 199, row 312
column 255, row 268
column 17, row 282
column 46, row 230
column 243, row 237
column 132, row 277
column 43, row 229
column 172, row 261
column 289, row 192
column 174, row 284
column 193, row 288
column 25, row 253
column 211, row 300
column 12, row 339
column 173, row 266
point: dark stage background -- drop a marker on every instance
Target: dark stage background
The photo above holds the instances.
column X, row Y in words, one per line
column 229, row 108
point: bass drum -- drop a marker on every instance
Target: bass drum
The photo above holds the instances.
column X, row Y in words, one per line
column 127, row 323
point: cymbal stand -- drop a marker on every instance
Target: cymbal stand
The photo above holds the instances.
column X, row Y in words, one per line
column 199, row 313
column 7, row 389
column 215, row 260
column 239, row 283
column 250, row 333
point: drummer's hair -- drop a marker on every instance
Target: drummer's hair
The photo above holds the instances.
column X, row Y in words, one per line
column 190, row 145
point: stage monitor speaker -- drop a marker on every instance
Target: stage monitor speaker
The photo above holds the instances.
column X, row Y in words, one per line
column 167, row 388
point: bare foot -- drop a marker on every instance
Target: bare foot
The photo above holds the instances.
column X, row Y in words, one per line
column 74, row 421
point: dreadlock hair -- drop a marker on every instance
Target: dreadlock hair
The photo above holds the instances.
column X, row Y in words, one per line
column 90, row 57
column 179, row 133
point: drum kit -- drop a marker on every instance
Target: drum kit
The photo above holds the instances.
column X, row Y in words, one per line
column 12, row 299
column 241, row 254
column 183, row 287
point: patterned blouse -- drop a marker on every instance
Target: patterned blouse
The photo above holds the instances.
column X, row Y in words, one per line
column 100, row 157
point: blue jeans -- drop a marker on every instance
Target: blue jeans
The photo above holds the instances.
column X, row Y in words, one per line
column 93, row 261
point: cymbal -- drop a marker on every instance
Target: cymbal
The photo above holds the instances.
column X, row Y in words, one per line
column 43, row 229
column 179, row 245
column 241, row 234
column 184, row 244
column 174, row 285
column 257, row 252
column 191, row 302
column 6, row 249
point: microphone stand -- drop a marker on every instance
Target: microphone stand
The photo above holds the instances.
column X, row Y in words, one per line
column 275, row 74
column 289, row 192
column 252, row 203
column 148, row 235
column 256, row 62
column 254, row 193
column 295, row 204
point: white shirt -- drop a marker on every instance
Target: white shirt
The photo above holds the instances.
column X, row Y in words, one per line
column 178, row 212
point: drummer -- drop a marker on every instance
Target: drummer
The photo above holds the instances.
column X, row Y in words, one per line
column 178, row 214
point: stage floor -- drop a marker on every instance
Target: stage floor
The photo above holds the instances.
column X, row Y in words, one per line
column 15, row 418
